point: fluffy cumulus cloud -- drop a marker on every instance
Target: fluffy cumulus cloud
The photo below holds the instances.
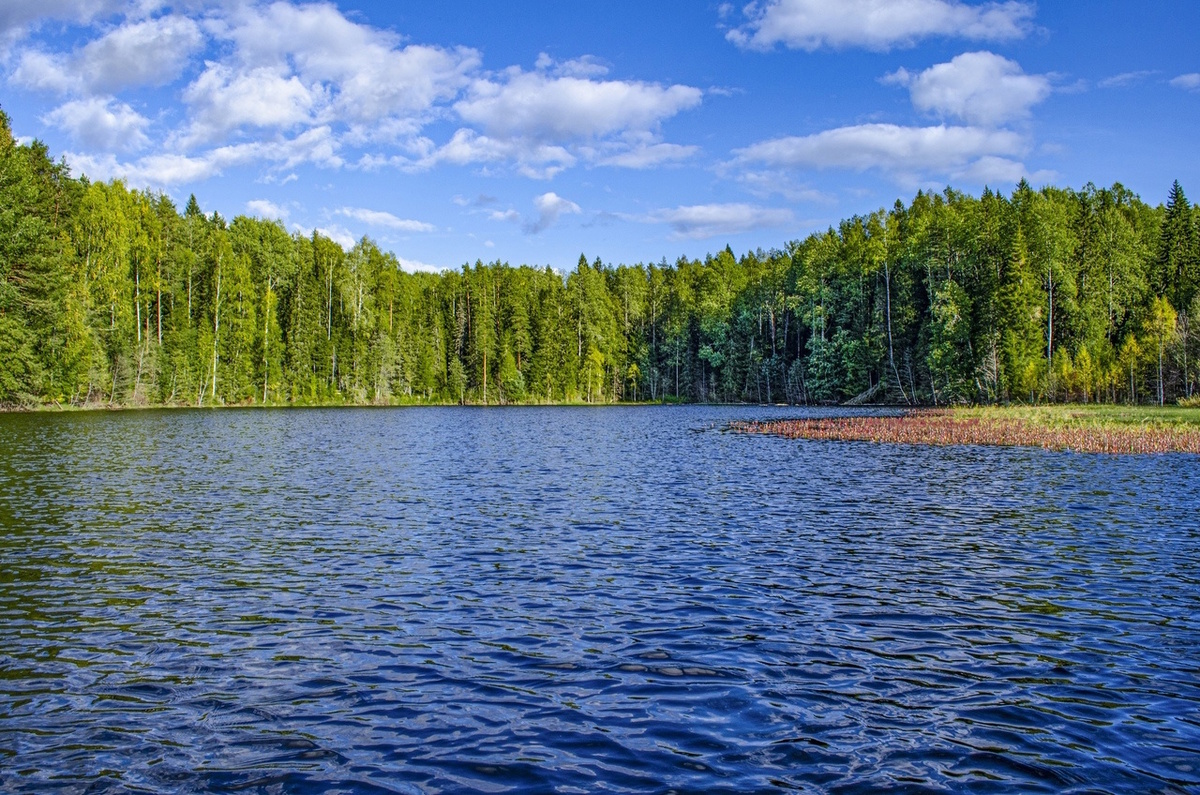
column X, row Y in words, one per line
column 152, row 52
column 259, row 81
column 338, row 234
column 18, row 13
column 977, row 87
column 561, row 113
column 368, row 74
column 147, row 53
column 264, row 208
column 166, row 169
column 702, row 221
column 542, row 107
column 533, row 159
column 1189, row 82
column 101, row 123
column 876, row 24
column 223, row 100
column 550, row 119
column 17, row 17
column 380, row 218
column 905, row 152
column 990, row 170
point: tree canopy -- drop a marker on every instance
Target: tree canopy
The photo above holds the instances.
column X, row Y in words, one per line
column 111, row 296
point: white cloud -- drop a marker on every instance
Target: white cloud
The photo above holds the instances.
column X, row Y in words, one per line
column 413, row 265
column 765, row 184
column 876, row 24
column 380, row 218
column 702, row 221
column 977, row 87
column 264, row 208
column 223, row 100
column 1000, row 171
column 900, row 151
column 101, row 123
column 45, row 72
column 1126, row 79
column 15, row 13
column 338, row 234
column 17, row 16
column 152, row 52
column 586, row 66
column 1189, row 82
column 370, row 77
column 505, row 215
column 539, row 107
column 279, row 70
column 548, row 120
column 550, row 206
column 316, row 146
column 534, row 159
column 650, row 155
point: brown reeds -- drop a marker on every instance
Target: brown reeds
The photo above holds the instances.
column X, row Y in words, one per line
column 944, row 428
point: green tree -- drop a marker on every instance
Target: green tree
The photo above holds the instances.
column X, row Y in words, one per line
column 1178, row 263
column 1161, row 329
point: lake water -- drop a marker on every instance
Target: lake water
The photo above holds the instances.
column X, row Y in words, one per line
column 584, row 600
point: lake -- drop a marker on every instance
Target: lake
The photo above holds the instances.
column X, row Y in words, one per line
column 622, row 599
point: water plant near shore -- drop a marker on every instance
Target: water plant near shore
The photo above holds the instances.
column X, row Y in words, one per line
column 943, row 428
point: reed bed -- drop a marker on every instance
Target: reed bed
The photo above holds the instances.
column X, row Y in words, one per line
column 945, row 428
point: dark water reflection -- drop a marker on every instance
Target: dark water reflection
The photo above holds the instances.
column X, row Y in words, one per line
column 572, row 600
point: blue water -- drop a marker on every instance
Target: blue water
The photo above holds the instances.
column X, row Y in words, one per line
column 584, row 600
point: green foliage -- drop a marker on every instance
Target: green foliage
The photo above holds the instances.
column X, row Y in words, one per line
column 112, row 296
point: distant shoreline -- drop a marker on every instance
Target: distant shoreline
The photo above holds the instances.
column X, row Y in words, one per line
column 56, row 408
column 1087, row 428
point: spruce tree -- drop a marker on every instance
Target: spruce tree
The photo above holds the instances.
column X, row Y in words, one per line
column 1178, row 269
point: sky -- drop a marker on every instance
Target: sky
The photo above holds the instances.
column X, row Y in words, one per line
column 532, row 131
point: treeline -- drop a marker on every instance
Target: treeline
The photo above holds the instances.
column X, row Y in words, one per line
column 111, row 296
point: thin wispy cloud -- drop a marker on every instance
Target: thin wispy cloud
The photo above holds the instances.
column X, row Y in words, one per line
column 550, row 206
column 380, row 218
column 1127, row 79
column 876, row 24
column 703, row 221
column 1188, row 82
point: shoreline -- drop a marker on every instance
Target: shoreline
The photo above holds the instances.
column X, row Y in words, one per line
column 103, row 408
column 1060, row 428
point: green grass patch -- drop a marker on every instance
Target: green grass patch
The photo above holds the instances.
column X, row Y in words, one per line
column 1088, row 415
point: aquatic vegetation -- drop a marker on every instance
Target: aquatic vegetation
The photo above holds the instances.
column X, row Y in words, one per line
column 943, row 427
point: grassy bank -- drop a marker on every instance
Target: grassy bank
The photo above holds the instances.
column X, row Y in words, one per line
column 1089, row 429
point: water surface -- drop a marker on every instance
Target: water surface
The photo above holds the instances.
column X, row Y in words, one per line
column 584, row 600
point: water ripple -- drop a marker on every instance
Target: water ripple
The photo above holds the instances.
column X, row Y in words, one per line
column 569, row 600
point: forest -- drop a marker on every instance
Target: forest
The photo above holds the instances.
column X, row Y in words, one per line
column 110, row 296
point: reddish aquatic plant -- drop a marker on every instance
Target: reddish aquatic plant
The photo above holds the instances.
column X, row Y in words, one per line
column 944, row 428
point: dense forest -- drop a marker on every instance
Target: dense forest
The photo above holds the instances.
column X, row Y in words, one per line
column 111, row 296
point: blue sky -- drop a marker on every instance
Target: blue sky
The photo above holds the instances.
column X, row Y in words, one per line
column 530, row 132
